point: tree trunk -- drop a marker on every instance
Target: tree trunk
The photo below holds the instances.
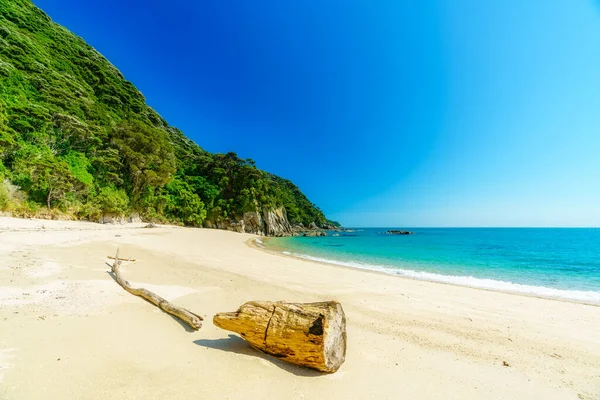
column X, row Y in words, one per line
column 310, row 334
column 49, row 196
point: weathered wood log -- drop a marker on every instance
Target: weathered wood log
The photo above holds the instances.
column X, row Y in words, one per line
column 193, row 320
column 311, row 334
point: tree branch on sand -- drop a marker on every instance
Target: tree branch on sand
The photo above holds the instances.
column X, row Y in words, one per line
column 193, row 320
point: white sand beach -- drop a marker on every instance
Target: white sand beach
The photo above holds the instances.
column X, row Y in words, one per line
column 68, row 331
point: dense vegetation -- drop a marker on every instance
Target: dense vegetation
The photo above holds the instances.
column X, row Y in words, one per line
column 77, row 138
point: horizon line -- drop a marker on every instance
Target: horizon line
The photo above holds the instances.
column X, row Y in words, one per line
column 472, row 227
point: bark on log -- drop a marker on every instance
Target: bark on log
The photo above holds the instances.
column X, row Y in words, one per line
column 193, row 320
column 311, row 334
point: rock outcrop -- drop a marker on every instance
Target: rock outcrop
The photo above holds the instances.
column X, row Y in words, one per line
column 268, row 222
column 272, row 222
column 119, row 219
column 253, row 223
column 397, row 232
column 134, row 218
column 218, row 224
column 112, row 219
column 276, row 222
column 313, row 233
column 330, row 227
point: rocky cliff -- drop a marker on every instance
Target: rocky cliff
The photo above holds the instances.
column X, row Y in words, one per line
column 273, row 222
column 276, row 222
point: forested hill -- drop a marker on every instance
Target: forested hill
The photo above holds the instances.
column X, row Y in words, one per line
column 77, row 139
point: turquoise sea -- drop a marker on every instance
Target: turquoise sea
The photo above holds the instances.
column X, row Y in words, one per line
column 550, row 262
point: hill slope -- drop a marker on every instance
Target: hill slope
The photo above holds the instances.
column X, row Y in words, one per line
column 77, row 138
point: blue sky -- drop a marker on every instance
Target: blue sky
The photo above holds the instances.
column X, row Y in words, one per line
column 385, row 113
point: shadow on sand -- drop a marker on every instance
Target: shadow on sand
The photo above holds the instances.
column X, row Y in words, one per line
column 235, row 344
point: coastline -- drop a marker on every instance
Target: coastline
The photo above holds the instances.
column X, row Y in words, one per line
column 68, row 327
column 282, row 252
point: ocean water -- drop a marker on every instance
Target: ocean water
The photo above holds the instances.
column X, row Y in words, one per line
column 550, row 262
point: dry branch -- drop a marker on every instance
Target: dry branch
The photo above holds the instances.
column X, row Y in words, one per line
column 122, row 259
column 193, row 320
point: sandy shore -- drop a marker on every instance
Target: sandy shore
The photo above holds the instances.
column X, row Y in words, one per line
column 68, row 331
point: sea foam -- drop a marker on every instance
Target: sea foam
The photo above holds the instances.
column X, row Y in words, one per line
column 470, row 281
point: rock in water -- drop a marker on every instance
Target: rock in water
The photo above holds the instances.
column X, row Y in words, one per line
column 308, row 334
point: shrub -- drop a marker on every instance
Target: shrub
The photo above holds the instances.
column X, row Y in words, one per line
column 4, row 198
column 112, row 201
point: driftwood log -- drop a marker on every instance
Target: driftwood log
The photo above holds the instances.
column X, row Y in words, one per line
column 311, row 334
column 193, row 320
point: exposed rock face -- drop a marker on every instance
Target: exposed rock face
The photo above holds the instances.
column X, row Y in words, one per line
column 276, row 222
column 253, row 223
column 273, row 222
column 119, row 219
column 134, row 218
column 112, row 219
column 237, row 226
column 220, row 224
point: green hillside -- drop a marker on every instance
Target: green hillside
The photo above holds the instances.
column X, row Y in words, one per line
column 77, row 139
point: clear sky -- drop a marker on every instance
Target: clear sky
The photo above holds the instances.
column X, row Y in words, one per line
column 385, row 113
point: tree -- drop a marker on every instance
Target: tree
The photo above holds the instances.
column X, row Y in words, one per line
column 184, row 205
column 75, row 133
column 145, row 153
column 112, row 201
column 69, row 133
column 50, row 178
